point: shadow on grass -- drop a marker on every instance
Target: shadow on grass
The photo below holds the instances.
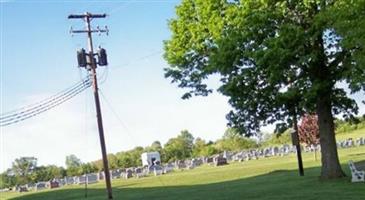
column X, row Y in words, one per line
column 280, row 184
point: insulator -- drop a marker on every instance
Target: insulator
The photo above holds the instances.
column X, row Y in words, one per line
column 81, row 58
column 102, row 58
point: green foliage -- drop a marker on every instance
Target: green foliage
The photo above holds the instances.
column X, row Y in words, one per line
column 274, row 53
column 113, row 161
column 46, row 173
column 24, row 165
column 346, row 126
column 73, row 165
column 180, row 147
column 7, row 179
column 201, row 148
column 72, row 161
column 276, row 59
column 23, row 169
column 234, row 141
column 130, row 158
column 277, row 139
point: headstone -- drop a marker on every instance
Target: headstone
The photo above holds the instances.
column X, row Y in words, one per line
column 92, row 178
column 41, row 186
column 180, row 164
column 54, row 184
column 70, row 180
column 128, row 173
column 115, row 173
column 168, row 168
column 102, row 175
column 81, row 179
column 210, row 160
column 219, row 161
column 140, row 172
column 157, row 170
column 22, row 188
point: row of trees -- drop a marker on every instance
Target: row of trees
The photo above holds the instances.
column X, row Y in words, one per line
column 25, row 170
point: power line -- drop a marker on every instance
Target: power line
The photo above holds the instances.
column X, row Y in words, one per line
column 46, row 103
column 28, row 107
column 37, row 109
column 42, row 109
column 118, row 117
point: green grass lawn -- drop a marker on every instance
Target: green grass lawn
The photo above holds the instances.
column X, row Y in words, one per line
column 269, row 178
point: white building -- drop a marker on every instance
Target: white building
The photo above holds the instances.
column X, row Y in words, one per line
column 149, row 158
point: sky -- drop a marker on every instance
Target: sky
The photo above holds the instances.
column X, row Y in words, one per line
column 139, row 105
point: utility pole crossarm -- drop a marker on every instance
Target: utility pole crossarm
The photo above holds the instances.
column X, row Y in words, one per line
column 87, row 15
column 91, row 31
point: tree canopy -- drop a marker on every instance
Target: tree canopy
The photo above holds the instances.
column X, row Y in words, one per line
column 277, row 59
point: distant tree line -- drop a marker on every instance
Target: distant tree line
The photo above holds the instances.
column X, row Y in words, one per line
column 25, row 169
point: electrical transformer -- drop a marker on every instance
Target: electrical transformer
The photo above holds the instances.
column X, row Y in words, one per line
column 102, row 58
column 81, row 58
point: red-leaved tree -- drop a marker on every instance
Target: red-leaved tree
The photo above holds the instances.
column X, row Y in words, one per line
column 308, row 130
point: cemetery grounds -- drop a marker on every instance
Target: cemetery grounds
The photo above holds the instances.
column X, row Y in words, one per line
column 264, row 179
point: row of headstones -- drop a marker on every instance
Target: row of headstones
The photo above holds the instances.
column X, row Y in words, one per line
column 56, row 183
column 282, row 150
column 254, row 154
column 351, row 143
column 217, row 160
column 186, row 164
column 137, row 172
column 312, row 148
column 140, row 172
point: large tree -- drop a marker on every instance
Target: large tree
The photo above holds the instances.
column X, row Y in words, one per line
column 277, row 59
column 73, row 165
column 23, row 168
column 180, row 147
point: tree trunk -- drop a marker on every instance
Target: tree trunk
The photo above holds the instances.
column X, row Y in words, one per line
column 331, row 167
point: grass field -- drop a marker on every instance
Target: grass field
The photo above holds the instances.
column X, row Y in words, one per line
column 264, row 179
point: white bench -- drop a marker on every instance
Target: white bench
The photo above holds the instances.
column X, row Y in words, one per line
column 357, row 176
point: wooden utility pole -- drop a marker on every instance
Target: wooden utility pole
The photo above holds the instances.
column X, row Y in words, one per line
column 92, row 69
column 296, row 142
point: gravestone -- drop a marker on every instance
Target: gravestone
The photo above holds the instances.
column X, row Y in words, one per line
column 41, row 186
column 101, row 175
column 128, row 173
column 115, row 173
column 157, row 170
column 140, row 172
column 210, row 160
column 219, row 161
column 54, row 184
column 81, row 179
column 168, row 168
column 180, row 164
column 70, row 180
column 92, row 178
column 22, row 188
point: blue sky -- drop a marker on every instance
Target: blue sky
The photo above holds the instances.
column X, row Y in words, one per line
column 38, row 59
